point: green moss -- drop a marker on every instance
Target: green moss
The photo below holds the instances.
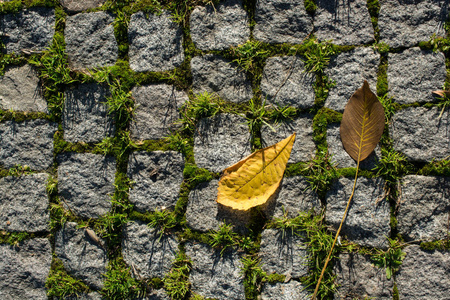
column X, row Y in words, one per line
column 10, row 7
column 60, row 284
column 310, row 6
column 176, row 282
column 436, row 168
column 374, row 9
column 14, row 238
column 274, row 278
column 382, row 83
column 119, row 284
column 436, row 245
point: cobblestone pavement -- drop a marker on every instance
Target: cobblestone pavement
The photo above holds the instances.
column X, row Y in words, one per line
column 106, row 194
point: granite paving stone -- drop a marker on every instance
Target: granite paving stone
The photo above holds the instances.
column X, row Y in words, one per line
column 219, row 27
column 405, row 23
column 85, row 114
column 413, row 74
column 424, row 275
column 304, row 146
column 214, row 275
column 27, row 143
column 282, row 21
column 157, row 111
column 349, row 70
column 78, row 6
column 368, row 219
column 358, row 278
column 155, row 43
column 28, row 30
column 157, row 179
column 148, row 252
column 82, row 256
column 285, row 291
column 343, row 22
column 420, row 133
column 341, row 157
column 23, row 203
column 220, row 76
column 293, row 197
column 424, row 208
column 221, row 141
column 90, row 40
column 285, row 82
column 86, row 183
column 24, row 269
column 283, row 253
column 20, row 90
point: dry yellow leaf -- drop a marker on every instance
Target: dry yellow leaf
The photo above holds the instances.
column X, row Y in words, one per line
column 252, row 181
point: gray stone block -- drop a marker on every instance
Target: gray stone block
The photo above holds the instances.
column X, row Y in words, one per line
column 293, row 290
column 148, row 252
column 20, row 90
column 413, row 74
column 420, row 134
column 349, row 70
column 282, row 21
column 86, row 183
column 405, row 23
column 367, row 222
column 221, row 141
column 343, row 22
column 78, row 6
column 24, row 270
column 27, row 143
column 424, row 208
column 28, row 30
column 294, row 196
column 158, row 176
column 221, row 27
column 157, row 111
column 85, row 115
column 90, row 40
column 424, row 275
column 283, row 253
column 82, row 256
column 214, row 275
column 285, row 82
column 23, row 203
column 341, row 157
column 304, row 147
column 358, row 278
column 220, row 76
column 155, row 43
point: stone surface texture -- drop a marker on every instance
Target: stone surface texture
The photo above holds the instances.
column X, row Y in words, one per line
column 85, row 114
column 27, row 143
column 214, row 275
column 368, row 218
column 155, row 43
column 405, row 23
column 358, row 278
column 340, row 157
column 82, row 256
column 157, row 176
column 304, row 147
column 424, row 208
column 285, row 291
column 23, row 203
column 284, row 253
column 282, row 21
column 149, row 252
column 24, row 270
column 413, row 74
column 349, row 70
column 285, row 82
column 157, row 111
column 221, row 27
column 90, row 40
column 424, row 275
column 86, row 183
column 221, row 141
column 220, row 76
column 28, row 30
column 20, row 90
column 343, row 22
column 420, row 133
column 78, row 6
